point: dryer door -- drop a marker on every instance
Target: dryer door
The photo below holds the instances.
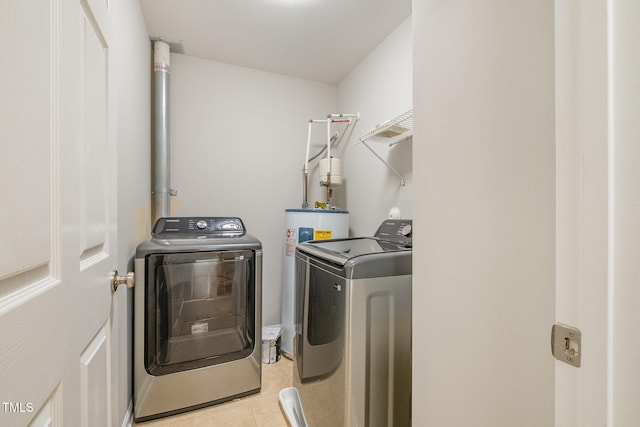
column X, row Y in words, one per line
column 200, row 309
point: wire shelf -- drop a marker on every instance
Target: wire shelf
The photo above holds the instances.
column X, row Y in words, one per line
column 392, row 131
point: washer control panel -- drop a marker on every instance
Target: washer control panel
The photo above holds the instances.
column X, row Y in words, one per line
column 396, row 230
column 198, row 227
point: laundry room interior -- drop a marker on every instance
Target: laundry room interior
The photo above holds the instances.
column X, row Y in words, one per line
column 238, row 143
column 210, row 208
column 251, row 143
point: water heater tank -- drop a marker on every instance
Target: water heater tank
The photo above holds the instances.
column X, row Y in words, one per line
column 302, row 225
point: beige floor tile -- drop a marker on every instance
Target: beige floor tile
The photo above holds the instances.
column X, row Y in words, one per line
column 266, row 411
column 237, row 413
column 182, row 420
column 276, row 376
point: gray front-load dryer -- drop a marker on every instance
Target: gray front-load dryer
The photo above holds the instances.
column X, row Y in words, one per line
column 197, row 315
column 353, row 329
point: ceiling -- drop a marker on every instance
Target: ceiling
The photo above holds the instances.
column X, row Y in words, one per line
column 320, row 40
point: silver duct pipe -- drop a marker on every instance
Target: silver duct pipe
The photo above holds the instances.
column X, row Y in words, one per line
column 161, row 74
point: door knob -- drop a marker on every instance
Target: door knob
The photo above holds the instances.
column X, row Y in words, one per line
column 116, row 280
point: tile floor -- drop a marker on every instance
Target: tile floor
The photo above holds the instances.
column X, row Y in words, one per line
column 258, row 410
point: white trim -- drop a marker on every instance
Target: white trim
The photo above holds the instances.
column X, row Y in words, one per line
column 128, row 416
column 611, row 212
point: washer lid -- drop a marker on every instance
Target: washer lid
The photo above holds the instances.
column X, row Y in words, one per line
column 393, row 235
column 340, row 251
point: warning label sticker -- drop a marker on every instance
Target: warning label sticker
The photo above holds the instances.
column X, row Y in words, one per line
column 291, row 242
column 322, row 234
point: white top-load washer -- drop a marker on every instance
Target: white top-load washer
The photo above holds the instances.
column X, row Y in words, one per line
column 353, row 328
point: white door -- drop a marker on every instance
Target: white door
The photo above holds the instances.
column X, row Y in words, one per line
column 57, row 211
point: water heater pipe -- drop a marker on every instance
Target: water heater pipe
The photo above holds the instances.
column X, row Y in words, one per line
column 306, row 158
column 305, row 172
column 331, row 118
column 161, row 73
column 329, row 152
column 335, row 118
column 305, row 169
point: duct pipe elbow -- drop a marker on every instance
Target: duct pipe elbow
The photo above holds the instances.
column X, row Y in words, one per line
column 161, row 57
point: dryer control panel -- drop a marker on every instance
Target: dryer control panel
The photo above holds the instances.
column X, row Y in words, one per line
column 184, row 227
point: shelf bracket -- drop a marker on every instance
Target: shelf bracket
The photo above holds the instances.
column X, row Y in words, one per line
column 385, row 163
column 393, row 131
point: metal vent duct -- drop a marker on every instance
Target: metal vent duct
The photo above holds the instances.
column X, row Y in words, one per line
column 161, row 73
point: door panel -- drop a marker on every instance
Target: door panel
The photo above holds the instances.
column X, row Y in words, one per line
column 94, row 382
column 57, row 238
column 31, row 292
column 51, row 411
column 93, row 144
column 26, row 143
column 31, row 356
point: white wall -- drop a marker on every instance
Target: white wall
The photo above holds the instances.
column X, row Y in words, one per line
column 238, row 139
column 484, row 280
column 379, row 88
column 134, row 185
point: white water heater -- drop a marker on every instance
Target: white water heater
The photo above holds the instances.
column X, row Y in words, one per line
column 302, row 225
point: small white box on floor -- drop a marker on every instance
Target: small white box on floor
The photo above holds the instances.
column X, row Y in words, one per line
column 271, row 336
